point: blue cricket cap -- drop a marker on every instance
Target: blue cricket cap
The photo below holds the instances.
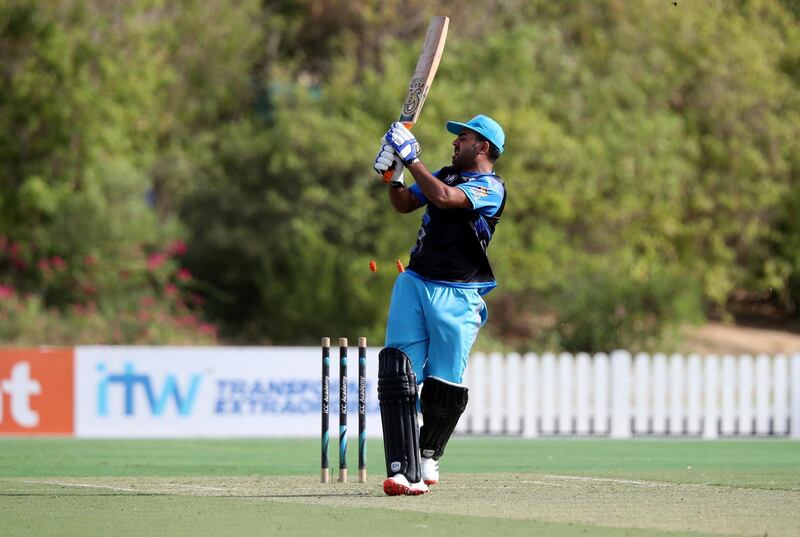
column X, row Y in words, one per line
column 483, row 125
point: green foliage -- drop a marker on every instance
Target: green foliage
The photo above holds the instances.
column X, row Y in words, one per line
column 606, row 305
column 79, row 141
column 94, row 302
column 652, row 159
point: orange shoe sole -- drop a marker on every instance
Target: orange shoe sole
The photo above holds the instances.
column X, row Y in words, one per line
column 393, row 488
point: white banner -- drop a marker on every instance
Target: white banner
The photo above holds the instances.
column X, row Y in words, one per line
column 214, row 391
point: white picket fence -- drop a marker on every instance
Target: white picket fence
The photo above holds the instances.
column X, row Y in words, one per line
column 623, row 396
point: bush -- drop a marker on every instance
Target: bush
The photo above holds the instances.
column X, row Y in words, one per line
column 609, row 308
column 150, row 300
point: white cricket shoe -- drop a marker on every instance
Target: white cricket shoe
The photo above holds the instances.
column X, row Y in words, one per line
column 398, row 485
column 430, row 471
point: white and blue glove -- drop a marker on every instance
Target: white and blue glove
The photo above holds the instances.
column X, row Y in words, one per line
column 384, row 161
column 403, row 142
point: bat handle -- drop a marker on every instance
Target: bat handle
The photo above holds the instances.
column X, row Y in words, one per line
column 395, row 171
column 396, row 168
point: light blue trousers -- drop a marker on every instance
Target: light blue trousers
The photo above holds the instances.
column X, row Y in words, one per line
column 435, row 325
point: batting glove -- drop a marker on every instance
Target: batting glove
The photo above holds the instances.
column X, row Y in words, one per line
column 387, row 158
column 404, row 143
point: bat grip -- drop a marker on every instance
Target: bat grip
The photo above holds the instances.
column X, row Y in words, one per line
column 395, row 168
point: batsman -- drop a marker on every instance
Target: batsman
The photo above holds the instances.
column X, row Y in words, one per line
column 437, row 304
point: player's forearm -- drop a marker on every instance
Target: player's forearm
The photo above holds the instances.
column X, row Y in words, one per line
column 433, row 189
column 402, row 199
column 436, row 191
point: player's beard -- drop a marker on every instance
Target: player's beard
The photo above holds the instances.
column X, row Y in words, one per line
column 464, row 156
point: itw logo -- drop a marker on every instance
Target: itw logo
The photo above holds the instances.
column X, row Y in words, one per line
column 133, row 383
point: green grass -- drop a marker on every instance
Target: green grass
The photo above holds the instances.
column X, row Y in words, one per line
column 497, row 486
column 756, row 463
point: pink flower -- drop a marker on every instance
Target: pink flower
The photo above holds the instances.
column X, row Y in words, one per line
column 208, row 330
column 6, row 291
column 184, row 275
column 44, row 265
column 155, row 260
column 147, row 302
column 186, row 320
column 57, row 262
column 90, row 260
column 170, row 289
column 177, row 248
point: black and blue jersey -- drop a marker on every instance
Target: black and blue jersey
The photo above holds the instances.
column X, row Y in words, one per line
column 451, row 243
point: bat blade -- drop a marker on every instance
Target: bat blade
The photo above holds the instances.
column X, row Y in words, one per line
column 427, row 65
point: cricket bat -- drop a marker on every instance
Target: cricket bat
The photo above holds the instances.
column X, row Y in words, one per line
column 427, row 64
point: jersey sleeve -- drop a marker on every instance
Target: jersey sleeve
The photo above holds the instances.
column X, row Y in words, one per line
column 485, row 193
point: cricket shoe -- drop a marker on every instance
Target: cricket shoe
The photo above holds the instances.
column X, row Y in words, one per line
column 398, row 485
column 430, row 470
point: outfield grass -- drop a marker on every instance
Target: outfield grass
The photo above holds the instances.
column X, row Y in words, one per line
column 497, row 486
